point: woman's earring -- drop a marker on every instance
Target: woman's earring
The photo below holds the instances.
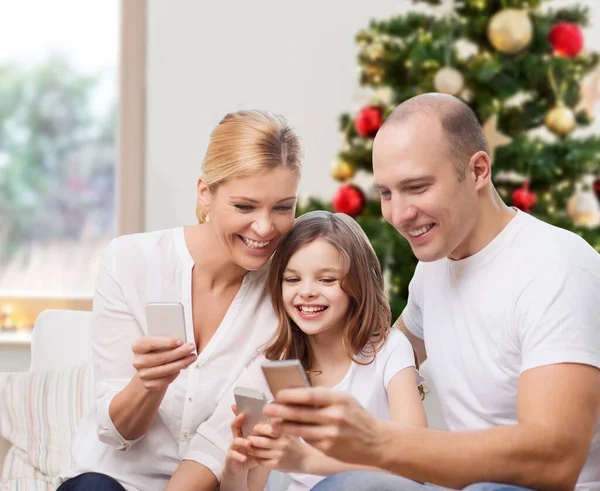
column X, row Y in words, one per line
column 207, row 218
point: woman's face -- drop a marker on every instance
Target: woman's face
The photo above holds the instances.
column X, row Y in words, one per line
column 251, row 215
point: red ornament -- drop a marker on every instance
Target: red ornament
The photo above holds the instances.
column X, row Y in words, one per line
column 566, row 39
column 596, row 187
column 349, row 199
column 368, row 121
column 523, row 198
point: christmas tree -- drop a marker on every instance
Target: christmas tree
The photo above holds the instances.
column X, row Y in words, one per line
column 520, row 65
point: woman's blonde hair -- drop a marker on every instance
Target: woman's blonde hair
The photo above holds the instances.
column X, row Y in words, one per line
column 369, row 316
column 248, row 142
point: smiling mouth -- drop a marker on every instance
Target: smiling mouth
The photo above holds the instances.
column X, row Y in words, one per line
column 254, row 244
column 309, row 309
column 416, row 232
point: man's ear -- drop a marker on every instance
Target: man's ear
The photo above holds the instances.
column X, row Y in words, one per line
column 481, row 167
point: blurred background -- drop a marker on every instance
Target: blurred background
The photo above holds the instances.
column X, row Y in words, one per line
column 106, row 108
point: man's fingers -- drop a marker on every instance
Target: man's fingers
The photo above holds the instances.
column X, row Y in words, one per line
column 298, row 414
column 311, row 434
column 311, row 396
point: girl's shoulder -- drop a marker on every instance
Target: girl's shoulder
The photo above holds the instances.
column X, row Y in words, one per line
column 396, row 341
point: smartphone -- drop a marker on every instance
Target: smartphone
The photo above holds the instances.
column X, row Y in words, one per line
column 166, row 319
column 285, row 374
column 250, row 402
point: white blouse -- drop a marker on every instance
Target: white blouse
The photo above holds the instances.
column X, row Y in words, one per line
column 157, row 267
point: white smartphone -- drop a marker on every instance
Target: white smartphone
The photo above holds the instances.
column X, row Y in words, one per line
column 250, row 402
column 166, row 319
column 285, row 374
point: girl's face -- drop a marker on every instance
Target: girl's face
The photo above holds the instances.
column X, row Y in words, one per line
column 311, row 290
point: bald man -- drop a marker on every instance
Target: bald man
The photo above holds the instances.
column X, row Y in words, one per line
column 505, row 307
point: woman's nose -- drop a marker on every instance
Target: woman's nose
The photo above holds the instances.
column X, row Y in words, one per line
column 263, row 227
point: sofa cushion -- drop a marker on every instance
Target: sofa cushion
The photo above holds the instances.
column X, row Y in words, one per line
column 41, row 411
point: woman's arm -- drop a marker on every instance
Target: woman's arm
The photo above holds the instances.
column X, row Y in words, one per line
column 158, row 361
column 192, row 476
column 129, row 385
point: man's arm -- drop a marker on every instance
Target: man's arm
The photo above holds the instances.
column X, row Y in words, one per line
column 417, row 343
column 558, row 407
column 192, row 476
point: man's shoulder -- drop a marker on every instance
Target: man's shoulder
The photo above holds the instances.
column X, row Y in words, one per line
column 540, row 246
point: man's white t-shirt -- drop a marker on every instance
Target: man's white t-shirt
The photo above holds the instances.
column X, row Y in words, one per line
column 530, row 298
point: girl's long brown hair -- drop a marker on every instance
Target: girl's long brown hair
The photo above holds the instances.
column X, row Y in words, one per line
column 369, row 316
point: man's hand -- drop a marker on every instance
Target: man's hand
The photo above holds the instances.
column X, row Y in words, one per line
column 331, row 421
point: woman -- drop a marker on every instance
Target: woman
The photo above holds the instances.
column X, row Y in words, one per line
column 156, row 396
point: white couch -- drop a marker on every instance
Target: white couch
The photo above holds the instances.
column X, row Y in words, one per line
column 45, row 417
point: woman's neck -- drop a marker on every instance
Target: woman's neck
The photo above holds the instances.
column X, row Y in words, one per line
column 216, row 269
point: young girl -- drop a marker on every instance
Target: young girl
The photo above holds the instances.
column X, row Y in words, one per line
column 327, row 290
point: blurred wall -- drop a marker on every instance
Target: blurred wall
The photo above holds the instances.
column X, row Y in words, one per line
column 294, row 58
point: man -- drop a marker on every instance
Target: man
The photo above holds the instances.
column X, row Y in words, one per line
column 505, row 307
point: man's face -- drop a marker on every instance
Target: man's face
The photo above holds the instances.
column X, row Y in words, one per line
column 421, row 194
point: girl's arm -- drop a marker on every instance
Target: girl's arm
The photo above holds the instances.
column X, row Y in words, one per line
column 257, row 478
column 404, row 399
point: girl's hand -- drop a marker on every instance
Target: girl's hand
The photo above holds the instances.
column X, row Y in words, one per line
column 237, row 460
column 159, row 360
column 277, row 452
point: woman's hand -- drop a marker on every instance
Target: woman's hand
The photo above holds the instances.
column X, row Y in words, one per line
column 158, row 360
column 275, row 451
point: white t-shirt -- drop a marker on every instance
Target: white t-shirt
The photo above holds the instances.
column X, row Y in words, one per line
column 529, row 298
column 368, row 384
column 157, row 267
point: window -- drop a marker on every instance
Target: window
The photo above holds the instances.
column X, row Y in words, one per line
column 65, row 68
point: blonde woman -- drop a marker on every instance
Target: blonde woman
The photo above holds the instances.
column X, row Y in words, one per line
column 155, row 397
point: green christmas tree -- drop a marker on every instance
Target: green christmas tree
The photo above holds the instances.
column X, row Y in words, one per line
column 521, row 67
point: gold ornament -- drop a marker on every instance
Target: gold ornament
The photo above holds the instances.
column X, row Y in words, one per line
column 375, row 51
column 341, row 170
column 494, row 138
column 374, row 74
column 510, row 30
column 583, row 208
column 560, row 119
column 449, row 81
column 478, row 4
